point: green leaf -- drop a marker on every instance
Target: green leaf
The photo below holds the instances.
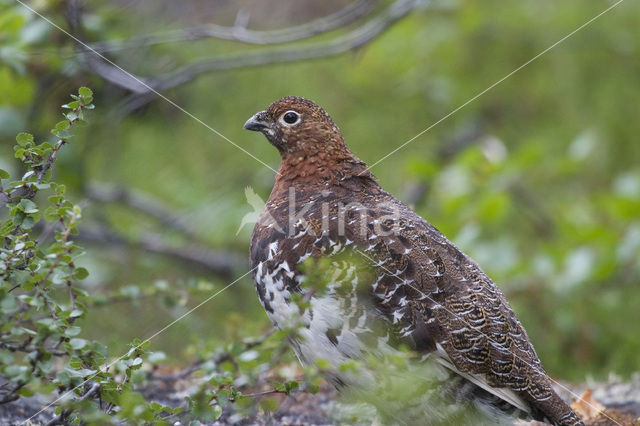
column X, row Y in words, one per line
column 62, row 125
column 85, row 92
column 75, row 363
column 82, row 372
column 76, row 313
column 62, row 134
column 73, row 330
column 77, row 343
column 71, row 105
column 28, row 206
column 80, row 273
column 313, row 388
column 100, row 349
column 216, row 411
column 25, row 392
column 289, row 386
column 8, row 304
column 63, row 377
column 29, row 222
column 4, row 174
column 24, row 139
column 51, row 214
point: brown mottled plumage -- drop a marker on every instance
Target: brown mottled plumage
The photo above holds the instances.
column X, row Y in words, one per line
column 427, row 291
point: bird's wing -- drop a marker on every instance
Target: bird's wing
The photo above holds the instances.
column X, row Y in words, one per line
column 438, row 298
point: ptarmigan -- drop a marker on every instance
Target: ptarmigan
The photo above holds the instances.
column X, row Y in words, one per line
column 430, row 294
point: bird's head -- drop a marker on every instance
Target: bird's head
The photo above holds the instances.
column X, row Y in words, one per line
column 298, row 127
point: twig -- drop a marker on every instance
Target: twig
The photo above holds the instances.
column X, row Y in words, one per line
column 225, row 356
column 106, row 193
column 543, row 223
column 24, row 347
column 240, row 33
column 350, row 41
column 10, row 395
column 218, row 262
column 52, row 158
column 267, row 392
column 95, row 387
column 416, row 191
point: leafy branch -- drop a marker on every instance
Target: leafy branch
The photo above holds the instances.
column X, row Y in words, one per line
column 41, row 305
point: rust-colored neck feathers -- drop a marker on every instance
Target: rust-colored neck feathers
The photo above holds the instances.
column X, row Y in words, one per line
column 311, row 146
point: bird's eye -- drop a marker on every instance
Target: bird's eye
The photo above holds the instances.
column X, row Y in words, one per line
column 291, row 117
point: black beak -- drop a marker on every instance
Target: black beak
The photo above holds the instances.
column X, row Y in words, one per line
column 257, row 122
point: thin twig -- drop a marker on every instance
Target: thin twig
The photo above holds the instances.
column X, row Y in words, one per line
column 219, row 262
column 240, row 33
column 95, row 387
column 225, row 356
column 106, row 193
column 350, row 41
column 24, row 347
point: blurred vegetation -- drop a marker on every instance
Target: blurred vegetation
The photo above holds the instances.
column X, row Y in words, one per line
column 538, row 179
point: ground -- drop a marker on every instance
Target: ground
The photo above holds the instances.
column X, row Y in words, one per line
column 620, row 399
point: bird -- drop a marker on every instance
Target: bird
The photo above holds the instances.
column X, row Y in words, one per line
column 425, row 292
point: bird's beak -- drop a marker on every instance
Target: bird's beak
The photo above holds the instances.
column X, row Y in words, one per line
column 258, row 122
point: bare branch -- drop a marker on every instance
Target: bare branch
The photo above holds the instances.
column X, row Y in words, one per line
column 416, row 191
column 106, row 193
column 24, row 347
column 143, row 94
column 240, row 33
column 349, row 41
column 218, row 262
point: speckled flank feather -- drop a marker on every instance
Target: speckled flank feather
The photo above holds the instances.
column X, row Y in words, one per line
column 424, row 290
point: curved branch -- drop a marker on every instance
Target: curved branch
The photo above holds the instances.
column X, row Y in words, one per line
column 219, row 262
column 106, row 193
column 144, row 92
column 349, row 41
column 350, row 13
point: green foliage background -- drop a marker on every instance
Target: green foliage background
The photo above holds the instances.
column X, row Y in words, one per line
column 545, row 195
